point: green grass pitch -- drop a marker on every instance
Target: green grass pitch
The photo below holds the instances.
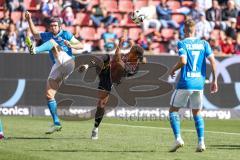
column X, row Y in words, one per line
column 118, row 140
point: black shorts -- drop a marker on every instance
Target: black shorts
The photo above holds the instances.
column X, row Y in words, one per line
column 105, row 82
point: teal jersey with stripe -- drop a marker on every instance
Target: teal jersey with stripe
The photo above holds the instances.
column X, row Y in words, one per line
column 193, row 74
column 59, row 39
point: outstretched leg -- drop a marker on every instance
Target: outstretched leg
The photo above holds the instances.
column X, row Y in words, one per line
column 103, row 99
column 51, row 90
column 47, row 46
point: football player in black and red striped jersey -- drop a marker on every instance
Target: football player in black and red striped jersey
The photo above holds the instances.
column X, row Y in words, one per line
column 116, row 67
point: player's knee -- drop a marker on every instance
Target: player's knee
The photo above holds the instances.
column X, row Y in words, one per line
column 196, row 112
column 53, row 42
column 101, row 103
column 49, row 95
column 173, row 109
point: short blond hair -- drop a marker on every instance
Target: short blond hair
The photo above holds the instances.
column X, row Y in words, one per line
column 189, row 25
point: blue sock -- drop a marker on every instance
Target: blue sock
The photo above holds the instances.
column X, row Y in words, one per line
column 47, row 46
column 199, row 124
column 52, row 105
column 1, row 128
column 175, row 124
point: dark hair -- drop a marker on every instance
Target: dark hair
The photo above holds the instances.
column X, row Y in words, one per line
column 139, row 51
column 56, row 19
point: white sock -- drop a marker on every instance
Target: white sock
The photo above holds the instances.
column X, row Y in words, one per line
column 86, row 66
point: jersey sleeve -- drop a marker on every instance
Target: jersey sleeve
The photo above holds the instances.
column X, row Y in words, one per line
column 208, row 50
column 181, row 49
column 68, row 35
column 74, row 40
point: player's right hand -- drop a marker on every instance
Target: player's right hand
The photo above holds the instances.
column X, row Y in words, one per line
column 67, row 43
column 27, row 15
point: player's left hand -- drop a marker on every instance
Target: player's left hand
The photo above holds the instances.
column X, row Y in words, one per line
column 144, row 61
column 67, row 43
column 214, row 87
column 172, row 74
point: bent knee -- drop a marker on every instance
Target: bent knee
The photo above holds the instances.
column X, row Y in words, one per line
column 49, row 95
column 101, row 103
column 196, row 111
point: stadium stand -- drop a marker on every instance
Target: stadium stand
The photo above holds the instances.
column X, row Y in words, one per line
column 119, row 9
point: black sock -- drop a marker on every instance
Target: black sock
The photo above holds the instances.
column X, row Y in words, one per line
column 99, row 116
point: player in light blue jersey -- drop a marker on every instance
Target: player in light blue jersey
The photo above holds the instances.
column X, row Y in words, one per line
column 193, row 53
column 1, row 130
column 58, row 43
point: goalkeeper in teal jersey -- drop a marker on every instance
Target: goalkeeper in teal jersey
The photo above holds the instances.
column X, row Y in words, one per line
column 58, row 43
column 193, row 53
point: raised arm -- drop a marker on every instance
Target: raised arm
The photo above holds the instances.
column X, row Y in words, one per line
column 214, row 85
column 32, row 27
column 117, row 56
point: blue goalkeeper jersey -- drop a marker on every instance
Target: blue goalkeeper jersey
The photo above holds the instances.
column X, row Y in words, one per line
column 193, row 74
column 59, row 38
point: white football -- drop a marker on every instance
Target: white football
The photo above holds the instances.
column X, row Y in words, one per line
column 137, row 16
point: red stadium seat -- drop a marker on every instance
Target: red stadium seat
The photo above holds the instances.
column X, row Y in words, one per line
column 88, row 33
column 159, row 48
column 187, row 3
column 154, row 2
column 1, row 4
column 134, row 32
column 128, row 22
column 174, row 4
column 167, row 33
column 140, row 3
column 125, row 6
column 41, row 28
column 100, row 31
column 92, row 3
column 215, row 34
column 82, row 19
column 118, row 31
column 118, row 16
column 69, row 28
column 16, row 16
column 1, row 14
column 110, row 5
column 179, row 18
column 31, row 4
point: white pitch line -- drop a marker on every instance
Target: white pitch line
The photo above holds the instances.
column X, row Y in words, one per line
column 162, row 128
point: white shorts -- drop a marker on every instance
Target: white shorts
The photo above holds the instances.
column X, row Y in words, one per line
column 63, row 67
column 180, row 98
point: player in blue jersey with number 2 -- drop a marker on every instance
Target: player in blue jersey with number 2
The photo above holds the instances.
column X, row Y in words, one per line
column 193, row 53
column 58, row 43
